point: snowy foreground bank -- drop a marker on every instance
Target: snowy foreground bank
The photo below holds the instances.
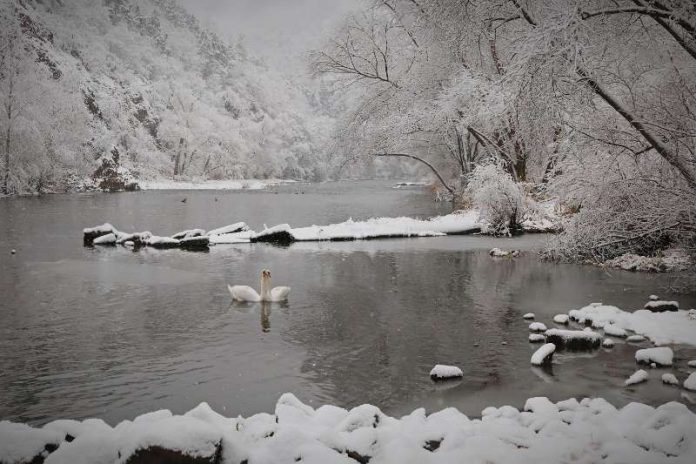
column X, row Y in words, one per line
column 591, row 430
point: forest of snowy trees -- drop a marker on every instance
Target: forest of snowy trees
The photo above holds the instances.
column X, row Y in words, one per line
column 591, row 102
column 115, row 90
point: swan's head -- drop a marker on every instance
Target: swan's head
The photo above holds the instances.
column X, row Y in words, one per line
column 265, row 274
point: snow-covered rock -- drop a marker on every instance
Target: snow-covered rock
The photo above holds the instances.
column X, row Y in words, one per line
column 443, row 372
column 231, row 229
column 162, row 242
column 537, row 338
column 590, row 430
column 498, row 253
column 543, row 355
column 673, row 327
column 653, row 298
column 691, row 363
column 662, row 356
column 638, row 376
column 108, row 239
column 528, row 316
column 189, row 234
column 91, row 233
column 658, row 306
column 690, row 382
column 615, row 331
column 635, row 338
column 537, row 327
column 669, row 379
column 574, row 339
column 608, row 343
column 194, row 243
column 561, row 319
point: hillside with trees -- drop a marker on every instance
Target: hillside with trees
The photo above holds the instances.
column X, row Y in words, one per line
column 110, row 92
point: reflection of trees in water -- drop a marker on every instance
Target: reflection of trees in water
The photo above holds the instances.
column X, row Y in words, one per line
column 386, row 318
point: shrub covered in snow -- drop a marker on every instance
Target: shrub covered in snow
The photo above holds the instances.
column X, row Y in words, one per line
column 497, row 197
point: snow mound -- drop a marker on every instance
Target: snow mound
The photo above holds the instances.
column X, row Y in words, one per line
column 638, row 376
column 537, row 338
column 669, row 379
column 442, row 371
column 691, row 363
column 231, row 229
column 574, row 339
column 498, row 253
column 608, row 343
column 666, row 328
column 537, row 327
column 561, row 319
column 690, row 382
column 662, row 356
column 591, row 430
column 543, row 355
column 528, row 316
column 108, row 239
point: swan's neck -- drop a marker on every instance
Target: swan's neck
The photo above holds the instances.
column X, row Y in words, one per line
column 265, row 289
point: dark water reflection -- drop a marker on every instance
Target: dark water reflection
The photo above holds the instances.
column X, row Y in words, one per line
column 112, row 333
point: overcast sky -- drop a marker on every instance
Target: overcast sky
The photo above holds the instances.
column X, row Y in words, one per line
column 281, row 31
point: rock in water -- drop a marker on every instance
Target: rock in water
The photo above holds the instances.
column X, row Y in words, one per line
column 574, row 339
column 90, row 233
column 444, row 372
column 159, row 455
column 195, row 243
column 669, row 379
column 659, row 306
column 543, row 356
column 638, row 376
column 661, row 356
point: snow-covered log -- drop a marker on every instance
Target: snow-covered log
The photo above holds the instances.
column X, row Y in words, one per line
column 574, row 339
column 543, row 355
column 90, row 233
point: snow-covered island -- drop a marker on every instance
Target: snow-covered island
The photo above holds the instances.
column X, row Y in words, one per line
column 589, row 430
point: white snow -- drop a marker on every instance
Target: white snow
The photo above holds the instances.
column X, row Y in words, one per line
column 537, row 338
column 690, row 382
column 155, row 241
column 665, row 328
column 528, row 316
column 591, row 430
column 236, row 227
column 614, row 330
column 103, row 229
column 108, row 239
column 692, row 363
column 455, row 223
column 653, row 298
column 543, row 354
column 249, row 184
column 442, row 371
column 561, row 318
column 669, row 379
column 19, row 441
column 537, row 327
column 635, row 338
column 661, row 356
column 573, row 336
column 608, row 343
column 637, row 377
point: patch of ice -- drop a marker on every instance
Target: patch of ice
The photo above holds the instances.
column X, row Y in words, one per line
column 662, row 356
column 637, row 377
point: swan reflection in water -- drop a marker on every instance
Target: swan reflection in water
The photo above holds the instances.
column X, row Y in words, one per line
column 264, row 308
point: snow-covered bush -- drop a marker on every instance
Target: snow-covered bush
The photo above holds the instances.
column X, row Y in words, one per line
column 497, row 197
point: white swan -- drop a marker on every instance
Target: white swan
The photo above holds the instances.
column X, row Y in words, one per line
column 246, row 293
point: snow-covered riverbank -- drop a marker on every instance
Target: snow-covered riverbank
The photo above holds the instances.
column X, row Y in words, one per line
column 228, row 184
column 590, row 430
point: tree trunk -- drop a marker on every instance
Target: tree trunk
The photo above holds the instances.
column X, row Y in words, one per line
column 432, row 168
column 177, row 159
column 668, row 154
column 8, row 135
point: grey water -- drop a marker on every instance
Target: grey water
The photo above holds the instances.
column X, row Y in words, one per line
column 112, row 333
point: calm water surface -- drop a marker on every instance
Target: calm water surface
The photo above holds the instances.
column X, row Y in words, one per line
column 110, row 333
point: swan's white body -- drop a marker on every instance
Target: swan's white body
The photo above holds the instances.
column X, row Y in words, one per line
column 246, row 293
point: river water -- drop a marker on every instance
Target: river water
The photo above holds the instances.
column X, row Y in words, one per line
column 111, row 333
